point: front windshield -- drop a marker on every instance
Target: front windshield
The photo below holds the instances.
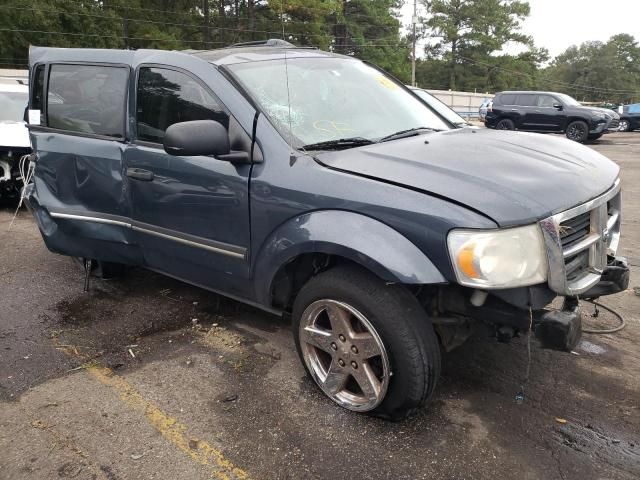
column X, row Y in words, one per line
column 12, row 106
column 440, row 107
column 570, row 101
column 333, row 98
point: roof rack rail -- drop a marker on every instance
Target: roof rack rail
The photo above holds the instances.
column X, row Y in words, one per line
column 272, row 42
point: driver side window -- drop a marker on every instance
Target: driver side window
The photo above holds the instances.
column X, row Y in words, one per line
column 165, row 97
column 546, row 101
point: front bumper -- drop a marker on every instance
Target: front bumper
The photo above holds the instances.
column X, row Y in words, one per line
column 562, row 329
column 613, row 125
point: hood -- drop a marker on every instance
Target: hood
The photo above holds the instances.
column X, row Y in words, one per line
column 14, row 134
column 511, row 177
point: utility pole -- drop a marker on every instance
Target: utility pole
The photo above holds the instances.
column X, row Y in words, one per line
column 414, row 21
column 207, row 36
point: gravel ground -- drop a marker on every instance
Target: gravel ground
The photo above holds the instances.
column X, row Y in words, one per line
column 147, row 377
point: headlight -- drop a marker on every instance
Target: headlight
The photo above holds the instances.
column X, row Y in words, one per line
column 599, row 114
column 507, row 258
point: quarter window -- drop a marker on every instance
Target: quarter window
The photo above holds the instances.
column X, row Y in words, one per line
column 38, row 88
column 87, row 99
column 166, row 97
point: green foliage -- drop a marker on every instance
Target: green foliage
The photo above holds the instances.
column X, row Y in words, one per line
column 368, row 29
column 596, row 71
column 466, row 39
column 464, row 36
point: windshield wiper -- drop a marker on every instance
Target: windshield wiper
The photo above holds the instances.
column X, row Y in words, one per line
column 340, row 144
column 410, row 132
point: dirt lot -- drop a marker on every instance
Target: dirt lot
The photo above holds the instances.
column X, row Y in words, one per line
column 149, row 378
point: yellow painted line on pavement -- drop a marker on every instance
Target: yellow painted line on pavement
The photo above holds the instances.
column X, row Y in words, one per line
column 169, row 427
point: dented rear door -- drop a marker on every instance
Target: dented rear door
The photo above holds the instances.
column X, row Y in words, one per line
column 78, row 131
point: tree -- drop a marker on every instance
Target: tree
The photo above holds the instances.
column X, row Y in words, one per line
column 368, row 29
column 466, row 32
column 597, row 71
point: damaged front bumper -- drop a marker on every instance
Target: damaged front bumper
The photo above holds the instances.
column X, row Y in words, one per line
column 10, row 179
column 508, row 310
column 562, row 329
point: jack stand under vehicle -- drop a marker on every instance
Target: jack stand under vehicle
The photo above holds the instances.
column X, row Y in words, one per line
column 87, row 273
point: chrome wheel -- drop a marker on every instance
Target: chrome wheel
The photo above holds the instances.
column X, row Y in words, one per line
column 344, row 354
column 624, row 126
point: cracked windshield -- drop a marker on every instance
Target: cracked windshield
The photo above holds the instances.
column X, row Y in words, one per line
column 333, row 99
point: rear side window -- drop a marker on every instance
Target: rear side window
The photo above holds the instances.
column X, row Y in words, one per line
column 526, row 100
column 37, row 88
column 87, row 99
column 508, row 99
column 165, row 97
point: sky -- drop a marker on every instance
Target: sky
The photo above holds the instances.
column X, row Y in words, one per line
column 558, row 24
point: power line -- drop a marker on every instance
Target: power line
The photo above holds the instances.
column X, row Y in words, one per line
column 581, row 87
column 17, row 30
column 240, row 30
column 196, row 12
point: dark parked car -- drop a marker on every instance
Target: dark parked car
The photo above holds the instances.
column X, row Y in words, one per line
column 630, row 118
column 550, row 112
column 314, row 185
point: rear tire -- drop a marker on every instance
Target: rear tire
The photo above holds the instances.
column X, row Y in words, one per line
column 578, row 131
column 386, row 332
column 505, row 124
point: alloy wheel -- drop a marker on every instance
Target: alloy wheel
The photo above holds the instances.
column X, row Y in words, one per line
column 344, row 354
column 624, row 126
column 576, row 132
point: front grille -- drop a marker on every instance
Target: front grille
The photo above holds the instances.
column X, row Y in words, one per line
column 579, row 241
column 575, row 229
column 614, row 124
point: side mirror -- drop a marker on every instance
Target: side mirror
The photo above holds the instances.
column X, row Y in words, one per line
column 197, row 137
column 557, row 106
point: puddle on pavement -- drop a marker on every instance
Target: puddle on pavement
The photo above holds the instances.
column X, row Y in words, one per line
column 589, row 347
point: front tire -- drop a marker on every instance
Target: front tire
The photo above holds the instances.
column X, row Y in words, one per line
column 578, row 131
column 369, row 346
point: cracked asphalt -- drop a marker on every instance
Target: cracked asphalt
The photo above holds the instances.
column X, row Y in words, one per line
column 146, row 377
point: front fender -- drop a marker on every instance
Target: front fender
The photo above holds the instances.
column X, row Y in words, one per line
column 366, row 241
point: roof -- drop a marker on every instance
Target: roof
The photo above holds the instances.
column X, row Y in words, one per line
column 239, row 53
column 257, row 53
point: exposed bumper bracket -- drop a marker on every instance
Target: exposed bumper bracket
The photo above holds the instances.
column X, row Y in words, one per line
column 614, row 279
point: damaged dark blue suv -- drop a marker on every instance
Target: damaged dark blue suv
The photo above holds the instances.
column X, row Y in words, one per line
column 315, row 185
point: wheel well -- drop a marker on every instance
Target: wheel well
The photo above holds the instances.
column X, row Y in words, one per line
column 292, row 276
column 574, row 119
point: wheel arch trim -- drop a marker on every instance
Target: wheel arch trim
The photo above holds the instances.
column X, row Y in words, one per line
column 356, row 237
